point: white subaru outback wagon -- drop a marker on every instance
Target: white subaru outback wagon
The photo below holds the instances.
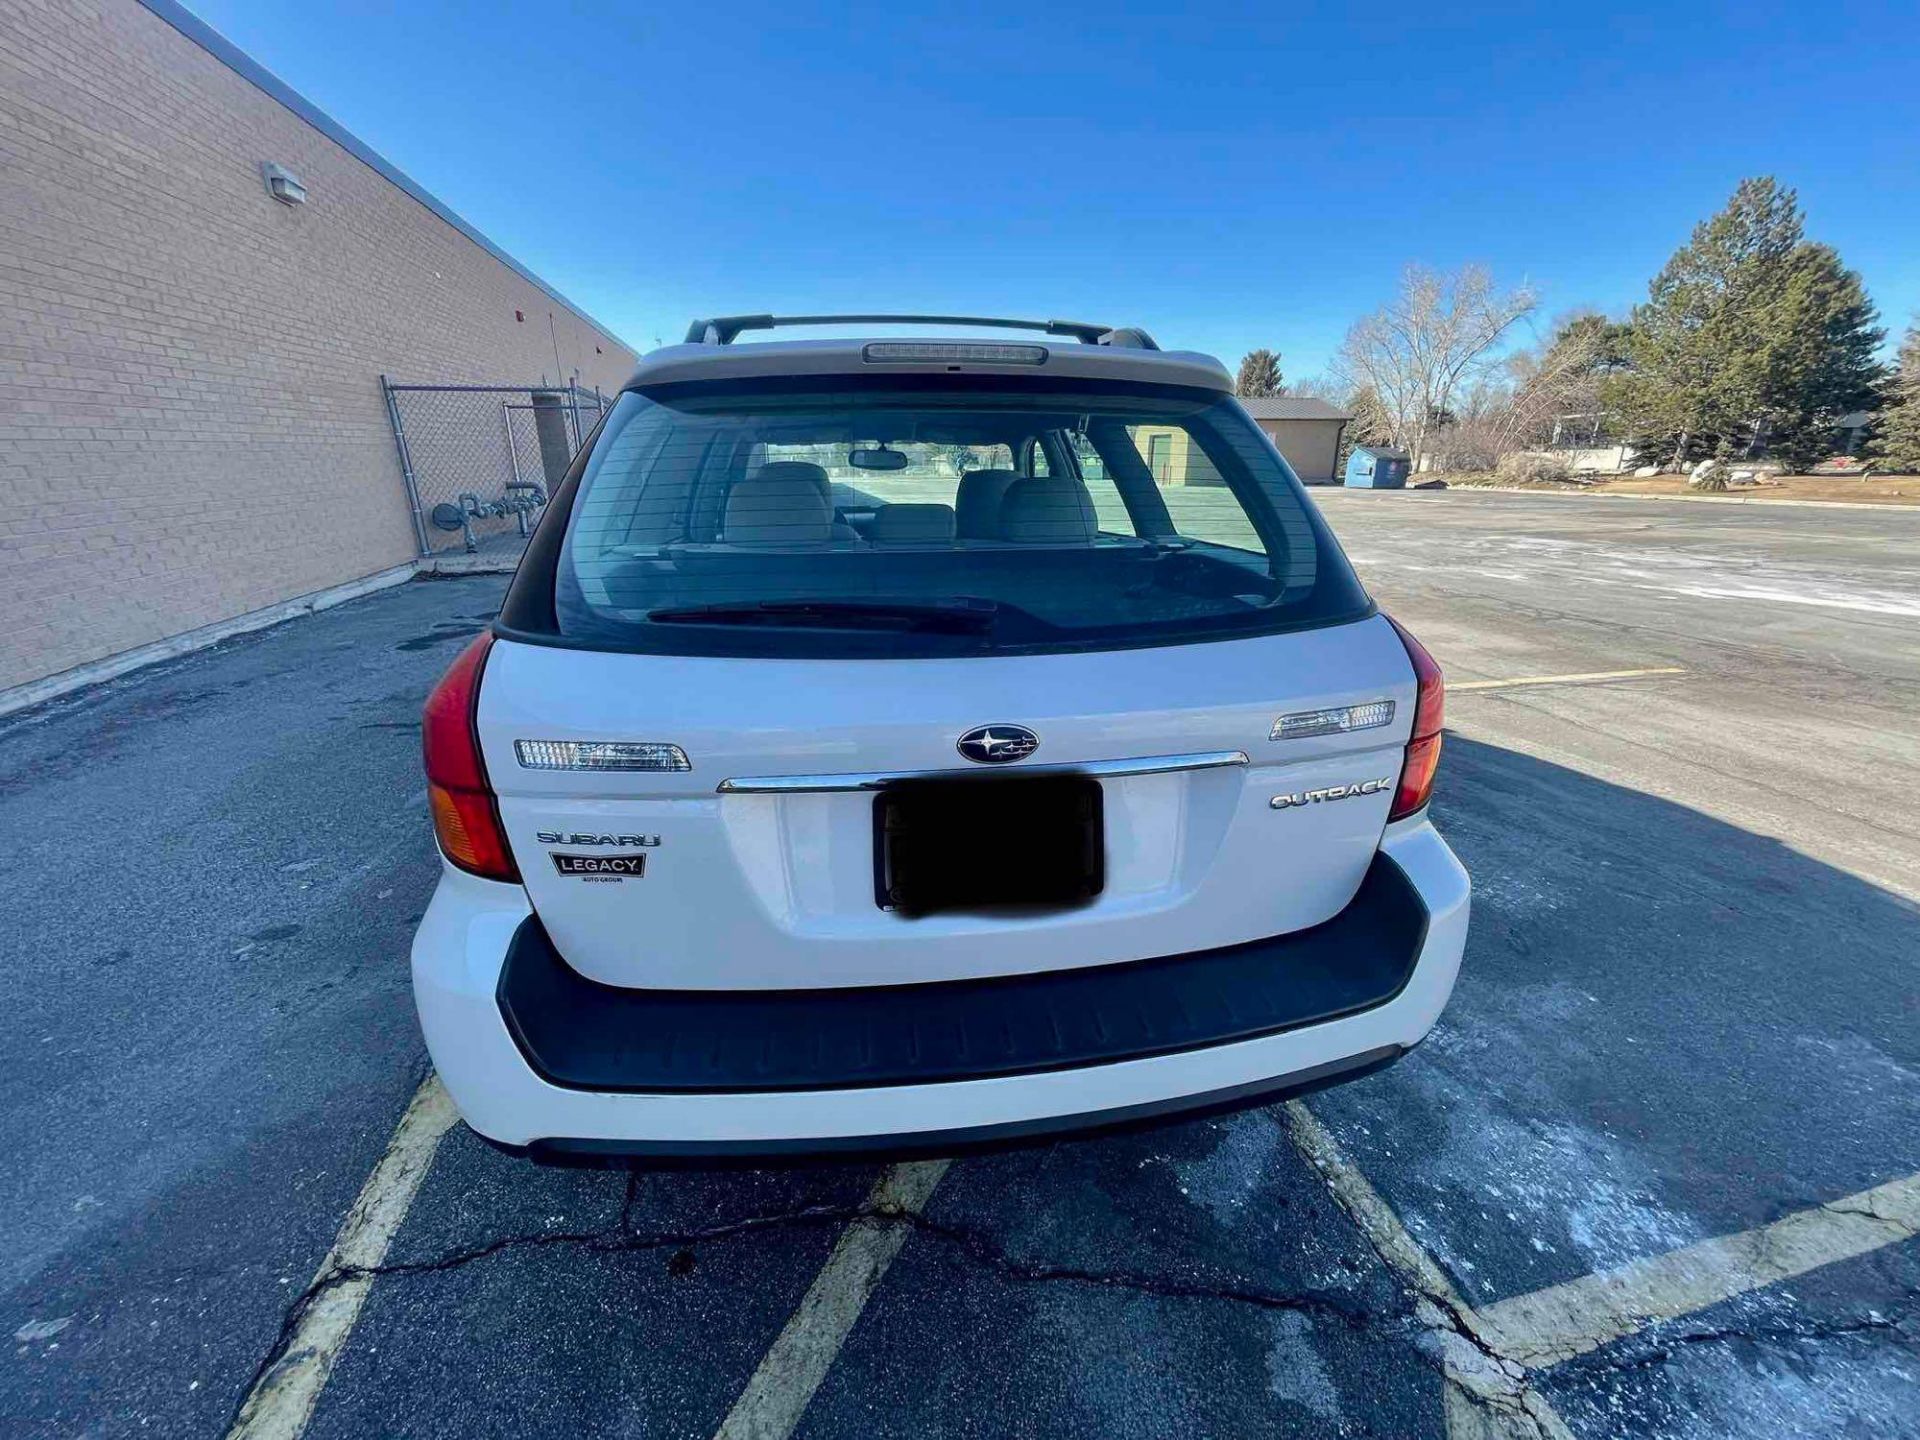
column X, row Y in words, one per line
column 903, row 744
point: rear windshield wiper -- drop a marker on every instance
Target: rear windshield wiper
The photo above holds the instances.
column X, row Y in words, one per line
column 962, row 616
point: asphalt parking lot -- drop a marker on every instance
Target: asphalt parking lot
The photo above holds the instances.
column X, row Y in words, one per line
column 1684, row 1057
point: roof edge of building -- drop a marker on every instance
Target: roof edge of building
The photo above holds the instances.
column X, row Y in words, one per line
column 1277, row 407
column 247, row 68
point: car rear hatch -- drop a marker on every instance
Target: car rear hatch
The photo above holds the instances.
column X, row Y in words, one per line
column 766, row 863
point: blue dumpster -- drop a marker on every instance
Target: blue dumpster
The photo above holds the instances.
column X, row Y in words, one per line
column 1377, row 467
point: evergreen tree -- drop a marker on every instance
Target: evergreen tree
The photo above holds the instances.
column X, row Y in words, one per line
column 1752, row 338
column 1822, row 341
column 1370, row 425
column 1897, row 445
column 1259, row 375
column 1589, row 342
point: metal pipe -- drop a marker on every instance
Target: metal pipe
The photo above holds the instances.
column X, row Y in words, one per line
column 406, row 463
column 470, row 510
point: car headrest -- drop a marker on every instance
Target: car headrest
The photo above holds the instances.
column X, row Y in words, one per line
column 911, row 524
column 787, row 503
column 1054, row 510
column 976, row 503
column 795, row 470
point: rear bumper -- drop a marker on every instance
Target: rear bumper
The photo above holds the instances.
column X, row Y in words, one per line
column 537, row 1057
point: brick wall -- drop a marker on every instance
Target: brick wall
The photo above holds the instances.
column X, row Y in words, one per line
column 191, row 422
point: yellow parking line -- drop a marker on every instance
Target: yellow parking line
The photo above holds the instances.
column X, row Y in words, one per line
column 783, row 1384
column 1491, row 1352
column 1486, row 1396
column 1556, row 1324
column 282, row 1400
column 1454, row 687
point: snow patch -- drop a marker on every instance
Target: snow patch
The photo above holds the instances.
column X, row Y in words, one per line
column 1816, row 1390
column 1556, row 1187
column 1295, row 1371
column 1872, row 602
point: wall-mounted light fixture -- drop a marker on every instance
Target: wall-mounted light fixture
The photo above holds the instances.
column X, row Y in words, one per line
column 282, row 184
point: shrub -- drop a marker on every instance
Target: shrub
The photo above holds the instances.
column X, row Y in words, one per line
column 1532, row 469
column 1709, row 475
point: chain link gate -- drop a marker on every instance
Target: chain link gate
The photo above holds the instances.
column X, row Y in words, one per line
column 480, row 461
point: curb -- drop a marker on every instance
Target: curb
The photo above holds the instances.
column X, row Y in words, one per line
column 95, row 672
column 112, row 667
column 463, row 564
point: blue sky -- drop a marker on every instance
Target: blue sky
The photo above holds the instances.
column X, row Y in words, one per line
column 1227, row 176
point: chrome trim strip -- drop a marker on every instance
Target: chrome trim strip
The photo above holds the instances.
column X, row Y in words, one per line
column 874, row 780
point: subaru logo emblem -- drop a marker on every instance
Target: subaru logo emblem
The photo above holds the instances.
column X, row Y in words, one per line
column 997, row 744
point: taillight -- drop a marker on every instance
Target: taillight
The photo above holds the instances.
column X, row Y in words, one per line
column 466, row 819
column 1423, row 749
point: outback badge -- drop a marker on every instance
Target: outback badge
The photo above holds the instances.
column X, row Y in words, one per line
column 1330, row 792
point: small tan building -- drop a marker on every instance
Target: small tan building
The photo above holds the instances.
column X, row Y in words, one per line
column 1305, row 429
column 205, row 278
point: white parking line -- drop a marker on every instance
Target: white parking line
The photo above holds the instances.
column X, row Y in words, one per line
column 1556, row 1324
column 281, row 1402
column 783, row 1384
column 1589, row 678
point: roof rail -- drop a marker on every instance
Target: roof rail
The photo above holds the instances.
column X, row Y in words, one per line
column 724, row 329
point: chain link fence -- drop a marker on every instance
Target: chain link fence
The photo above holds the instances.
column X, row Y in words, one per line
column 480, row 461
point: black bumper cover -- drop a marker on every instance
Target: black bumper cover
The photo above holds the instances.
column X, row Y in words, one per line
column 582, row 1035
column 947, row 1143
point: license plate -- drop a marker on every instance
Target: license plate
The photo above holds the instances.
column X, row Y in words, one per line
column 975, row 844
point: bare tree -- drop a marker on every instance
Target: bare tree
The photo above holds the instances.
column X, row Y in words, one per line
column 1419, row 354
column 1557, row 385
column 1533, row 398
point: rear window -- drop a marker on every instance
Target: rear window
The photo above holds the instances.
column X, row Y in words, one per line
column 859, row 520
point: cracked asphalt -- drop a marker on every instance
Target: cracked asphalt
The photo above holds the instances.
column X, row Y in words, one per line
column 1689, row 1008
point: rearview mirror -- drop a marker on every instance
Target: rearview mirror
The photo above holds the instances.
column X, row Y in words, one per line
column 877, row 459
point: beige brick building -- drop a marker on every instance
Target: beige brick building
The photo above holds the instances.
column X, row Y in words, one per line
column 191, row 422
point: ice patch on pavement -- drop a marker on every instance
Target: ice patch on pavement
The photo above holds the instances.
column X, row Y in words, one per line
column 1295, row 1371
column 1548, row 1180
column 1884, row 1094
column 1237, row 1170
column 1613, row 1222
column 1812, row 1390
column 1514, row 895
column 1872, row 602
column 1540, row 542
column 1705, row 575
column 1503, row 1168
column 1131, row 1365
